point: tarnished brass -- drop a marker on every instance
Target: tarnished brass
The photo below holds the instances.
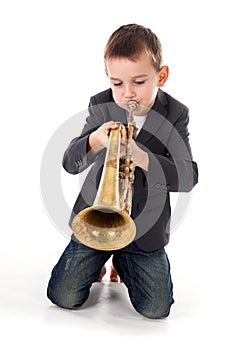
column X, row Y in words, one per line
column 107, row 225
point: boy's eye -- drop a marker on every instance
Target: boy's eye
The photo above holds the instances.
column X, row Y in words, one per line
column 116, row 83
column 137, row 82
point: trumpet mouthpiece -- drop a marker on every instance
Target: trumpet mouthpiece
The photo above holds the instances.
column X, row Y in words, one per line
column 132, row 105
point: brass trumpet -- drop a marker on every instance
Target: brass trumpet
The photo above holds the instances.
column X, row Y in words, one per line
column 107, row 225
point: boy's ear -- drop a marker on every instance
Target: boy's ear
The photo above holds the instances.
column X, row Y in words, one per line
column 106, row 71
column 163, row 75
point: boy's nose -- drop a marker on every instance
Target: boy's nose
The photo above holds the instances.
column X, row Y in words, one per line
column 129, row 92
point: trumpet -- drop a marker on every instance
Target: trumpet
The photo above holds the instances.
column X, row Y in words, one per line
column 107, row 224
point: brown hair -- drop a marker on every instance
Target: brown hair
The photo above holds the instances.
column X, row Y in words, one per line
column 130, row 41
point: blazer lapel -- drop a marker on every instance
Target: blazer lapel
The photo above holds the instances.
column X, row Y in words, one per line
column 154, row 120
column 116, row 113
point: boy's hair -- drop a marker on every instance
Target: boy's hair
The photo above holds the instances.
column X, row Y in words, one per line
column 130, row 41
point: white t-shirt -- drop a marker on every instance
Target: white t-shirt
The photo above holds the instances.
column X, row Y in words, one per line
column 139, row 121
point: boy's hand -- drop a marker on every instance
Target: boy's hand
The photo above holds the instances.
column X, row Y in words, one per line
column 99, row 138
column 140, row 157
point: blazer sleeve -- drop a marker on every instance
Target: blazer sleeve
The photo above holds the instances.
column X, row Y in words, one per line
column 76, row 157
column 175, row 170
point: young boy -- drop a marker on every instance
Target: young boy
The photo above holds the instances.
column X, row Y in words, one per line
column 163, row 164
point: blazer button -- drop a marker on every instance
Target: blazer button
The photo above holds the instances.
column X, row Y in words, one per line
column 157, row 186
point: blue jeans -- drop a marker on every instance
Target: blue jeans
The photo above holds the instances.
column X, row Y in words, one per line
column 146, row 276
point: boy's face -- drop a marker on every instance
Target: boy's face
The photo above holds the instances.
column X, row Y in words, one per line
column 135, row 80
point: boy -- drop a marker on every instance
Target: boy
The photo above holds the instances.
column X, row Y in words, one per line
column 163, row 164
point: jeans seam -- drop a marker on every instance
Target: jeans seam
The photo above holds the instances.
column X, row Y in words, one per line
column 132, row 291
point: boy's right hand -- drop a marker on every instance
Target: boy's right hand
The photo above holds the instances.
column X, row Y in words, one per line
column 99, row 138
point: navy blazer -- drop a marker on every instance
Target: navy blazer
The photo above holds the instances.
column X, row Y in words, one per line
column 164, row 136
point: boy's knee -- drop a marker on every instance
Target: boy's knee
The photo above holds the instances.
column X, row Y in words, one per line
column 154, row 313
column 66, row 300
column 153, row 308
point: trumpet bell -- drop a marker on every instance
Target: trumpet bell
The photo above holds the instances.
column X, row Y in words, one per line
column 104, row 229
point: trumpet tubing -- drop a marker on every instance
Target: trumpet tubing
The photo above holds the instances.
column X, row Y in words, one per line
column 107, row 225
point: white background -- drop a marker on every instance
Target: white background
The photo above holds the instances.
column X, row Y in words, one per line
column 51, row 63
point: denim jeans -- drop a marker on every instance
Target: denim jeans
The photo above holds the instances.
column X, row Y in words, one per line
column 146, row 276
